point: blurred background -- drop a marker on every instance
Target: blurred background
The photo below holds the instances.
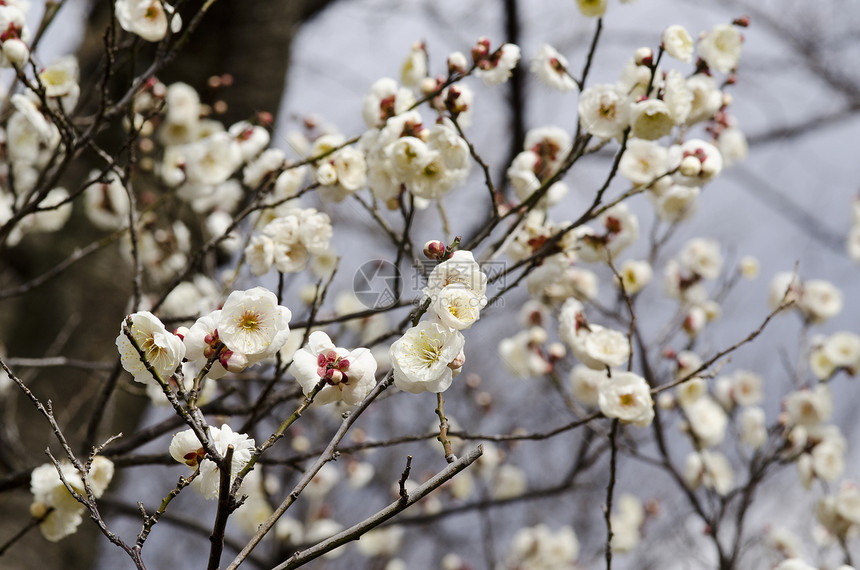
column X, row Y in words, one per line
column 797, row 99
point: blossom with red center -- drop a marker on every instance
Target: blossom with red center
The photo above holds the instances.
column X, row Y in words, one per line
column 347, row 375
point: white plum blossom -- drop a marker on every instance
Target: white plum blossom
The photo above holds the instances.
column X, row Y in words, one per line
column 626, row 396
column 457, row 306
column 212, row 160
column 643, row 161
column 677, row 96
column 710, row 469
column 106, row 201
column 785, row 287
column 414, row 68
column 186, row 448
column 585, row 383
column 16, row 33
column 260, row 254
column 697, row 161
column 253, row 324
column 604, row 111
column 49, row 492
column 522, row 353
column 252, row 138
column 53, row 213
column 842, row 349
column 384, row 100
column 820, row 300
column 201, row 343
column 678, row 43
column 495, row 68
column 650, row 119
column 635, row 275
column 721, row 48
column 461, row 268
column 348, row 375
column 809, row 408
column 733, row 145
column 294, row 235
column 676, row 203
column 551, row 67
column 626, row 523
column 260, row 165
column 164, row 350
column 702, row 257
column 752, row 427
column 828, row 456
column 421, row 357
column 60, row 80
column 592, row 8
column 707, row 98
column 639, row 81
column 540, row 548
column 147, row 18
column 607, row 346
column 708, row 421
column 621, row 229
column 747, row 388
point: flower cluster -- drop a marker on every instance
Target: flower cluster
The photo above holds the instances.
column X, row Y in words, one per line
column 186, row 448
column 289, row 240
column 428, row 355
column 57, row 510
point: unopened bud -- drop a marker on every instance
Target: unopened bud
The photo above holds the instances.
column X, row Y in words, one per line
column 458, row 362
column 457, row 63
column 556, row 351
column 666, row 401
column 481, row 49
column 38, row 509
column 428, row 85
column 434, row 249
column 742, row 22
column 181, row 332
column 334, row 376
column 691, row 166
column 644, row 56
column 233, row 361
column 16, row 52
column 265, row 118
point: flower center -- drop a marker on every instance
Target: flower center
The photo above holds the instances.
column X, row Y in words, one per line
column 250, row 321
column 626, row 400
column 332, row 368
column 429, row 351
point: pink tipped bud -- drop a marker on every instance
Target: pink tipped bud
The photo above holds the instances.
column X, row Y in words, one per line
column 670, row 353
column 233, row 361
column 16, row 51
column 457, row 63
column 742, row 22
column 458, row 362
column 481, row 49
column 434, row 249
column 181, row 332
column 644, row 56
column 691, row 166
column 334, row 376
